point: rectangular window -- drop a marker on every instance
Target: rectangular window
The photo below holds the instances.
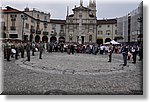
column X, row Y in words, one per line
column 115, row 31
column 32, row 20
column 62, row 26
column 27, row 26
column 45, row 18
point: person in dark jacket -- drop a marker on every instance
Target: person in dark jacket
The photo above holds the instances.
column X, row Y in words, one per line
column 110, row 52
column 28, row 51
column 72, row 48
column 124, row 52
column 41, row 47
column 33, row 49
column 22, row 49
column 134, row 53
column 8, row 50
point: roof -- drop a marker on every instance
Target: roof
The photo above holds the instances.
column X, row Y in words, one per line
column 107, row 21
column 10, row 10
column 81, row 8
column 57, row 21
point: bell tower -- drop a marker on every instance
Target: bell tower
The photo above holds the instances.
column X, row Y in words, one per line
column 92, row 6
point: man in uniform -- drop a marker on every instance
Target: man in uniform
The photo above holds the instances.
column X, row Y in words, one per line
column 8, row 50
column 110, row 52
column 124, row 52
column 28, row 51
column 41, row 47
column 22, row 49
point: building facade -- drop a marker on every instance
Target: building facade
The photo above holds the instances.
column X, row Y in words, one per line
column 130, row 26
column 82, row 26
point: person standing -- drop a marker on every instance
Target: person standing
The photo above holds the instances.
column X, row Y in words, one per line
column 141, row 53
column 68, row 49
column 4, row 50
column 110, row 52
column 41, row 47
column 8, row 50
column 17, row 52
column 72, row 48
column 134, row 53
column 22, row 49
column 28, row 51
column 124, row 52
column 33, row 49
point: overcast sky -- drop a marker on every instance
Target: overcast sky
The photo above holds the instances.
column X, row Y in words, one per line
column 57, row 8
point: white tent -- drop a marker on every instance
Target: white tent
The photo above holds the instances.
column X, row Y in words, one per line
column 114, row 42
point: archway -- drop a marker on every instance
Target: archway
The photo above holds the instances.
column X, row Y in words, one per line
column 45, row 39
column 99, row 41
column 62, row 39
column 53, row 39
column 107, row 40
column 37, row 38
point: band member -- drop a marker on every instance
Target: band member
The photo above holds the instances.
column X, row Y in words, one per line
column 41, row 47
column 8, row 50
column 110, row 52
column 22, row 49
column 124, row 52
column 28, row 51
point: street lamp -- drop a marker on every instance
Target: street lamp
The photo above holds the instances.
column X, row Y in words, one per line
column 24, row 17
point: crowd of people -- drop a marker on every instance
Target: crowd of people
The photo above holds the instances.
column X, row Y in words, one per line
column 14, row 49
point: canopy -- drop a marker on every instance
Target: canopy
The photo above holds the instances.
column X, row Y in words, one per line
column 113, row 42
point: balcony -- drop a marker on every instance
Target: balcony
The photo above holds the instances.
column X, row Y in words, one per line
column 45, row 33
column 32, row 30
column 12, row 28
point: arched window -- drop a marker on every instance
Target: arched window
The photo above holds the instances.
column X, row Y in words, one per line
column 90, row 38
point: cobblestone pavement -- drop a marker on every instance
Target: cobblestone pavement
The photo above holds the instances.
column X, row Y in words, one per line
column 60, row 73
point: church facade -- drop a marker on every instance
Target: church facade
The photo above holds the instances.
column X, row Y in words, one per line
column 83, row 26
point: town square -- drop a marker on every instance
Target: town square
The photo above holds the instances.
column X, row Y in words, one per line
column 78, row 55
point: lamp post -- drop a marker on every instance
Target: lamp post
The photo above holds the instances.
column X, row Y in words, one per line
column 24, row 17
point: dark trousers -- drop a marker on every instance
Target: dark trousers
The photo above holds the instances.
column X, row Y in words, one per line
column 8, row 54
column 33, row 52
column 125, row 59
column 22, row 53
column 134, row 58
column 40, row 57
column 5, row 55
column 110, row 56
column 16, row 55
column 28, row 55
